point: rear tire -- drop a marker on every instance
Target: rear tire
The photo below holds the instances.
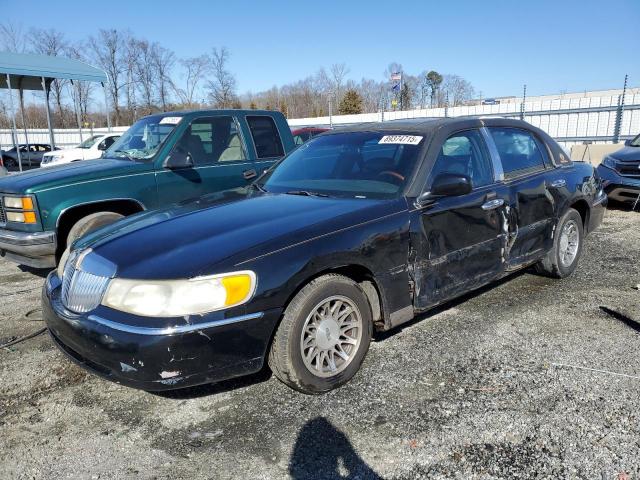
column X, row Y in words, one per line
column 562, row 259
column 90, row 223
column 323, row 337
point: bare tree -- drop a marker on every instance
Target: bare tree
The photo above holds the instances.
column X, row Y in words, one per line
column 12, row 37
column 163, row 61
column 455, row 90
column 144, row 74
column 83, row 90
column 130, row 62
column 108, row 48
column 195, row 68
column 223, row 86
column 51, row 42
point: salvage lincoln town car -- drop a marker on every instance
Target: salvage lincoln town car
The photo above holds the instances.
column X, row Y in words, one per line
column 356, row 230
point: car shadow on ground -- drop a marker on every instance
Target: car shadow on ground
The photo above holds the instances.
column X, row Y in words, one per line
column 323, row 451
column 38, row 272
column 216, row 388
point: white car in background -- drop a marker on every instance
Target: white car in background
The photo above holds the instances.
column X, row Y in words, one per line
column 90, row 149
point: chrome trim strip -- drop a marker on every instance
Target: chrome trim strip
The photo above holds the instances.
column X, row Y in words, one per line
column 20, row 238
column 176, row 329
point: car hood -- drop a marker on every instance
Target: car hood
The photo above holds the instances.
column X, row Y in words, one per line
column 67, row 152
column 190, row 239
column 38, row 179
column 627, row 154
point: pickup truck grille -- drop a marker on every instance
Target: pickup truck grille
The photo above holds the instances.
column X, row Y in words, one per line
column 3, row 216
column 81, row 291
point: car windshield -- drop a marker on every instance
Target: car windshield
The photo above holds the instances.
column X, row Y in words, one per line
column 350, row 164
column 143, row 139
column 89, row 142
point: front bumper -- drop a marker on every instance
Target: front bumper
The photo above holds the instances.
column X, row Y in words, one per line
column 158, row 356
column 35, row 249
column 619, row 187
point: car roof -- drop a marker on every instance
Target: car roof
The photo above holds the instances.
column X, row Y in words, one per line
column 427, row 125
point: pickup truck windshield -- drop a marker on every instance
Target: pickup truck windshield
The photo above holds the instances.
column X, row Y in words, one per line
column 354, row 164
column 88, row 143
column 144, row 138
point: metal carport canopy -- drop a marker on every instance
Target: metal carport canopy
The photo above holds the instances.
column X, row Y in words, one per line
column 30, row 71
column 26, row 70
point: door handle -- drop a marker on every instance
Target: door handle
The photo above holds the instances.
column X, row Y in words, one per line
column 492, row 204
column 559, row 183
column 249, row 174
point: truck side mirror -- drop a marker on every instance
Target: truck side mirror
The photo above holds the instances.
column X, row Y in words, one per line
column 178, row 159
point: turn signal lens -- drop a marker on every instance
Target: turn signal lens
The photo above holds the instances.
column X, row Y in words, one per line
column 29, row 217
column 27, row 203
column 238, row 288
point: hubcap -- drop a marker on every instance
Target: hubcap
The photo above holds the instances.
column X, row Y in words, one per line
column 331, row 336
column 569, row 243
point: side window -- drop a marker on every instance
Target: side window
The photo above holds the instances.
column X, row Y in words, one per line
column 107, row 142
column 298, row 140
column 212, row 140
column 265, row 137
column 519, row 151
column 465, row 153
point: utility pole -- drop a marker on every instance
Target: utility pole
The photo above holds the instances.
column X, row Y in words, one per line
column 620, row 112
column 524, row 99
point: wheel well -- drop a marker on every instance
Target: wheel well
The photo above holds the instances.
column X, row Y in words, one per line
column 582, row 208
column 71, row 216
column 364, row 278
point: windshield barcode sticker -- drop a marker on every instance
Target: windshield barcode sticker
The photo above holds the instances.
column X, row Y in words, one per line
column 401, row 139
column 170, row 120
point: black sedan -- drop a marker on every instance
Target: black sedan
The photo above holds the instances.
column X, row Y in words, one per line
column 620, row 173
column 356, row 230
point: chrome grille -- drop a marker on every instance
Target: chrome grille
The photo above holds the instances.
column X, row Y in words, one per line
column 81, row 291
column 3, row 216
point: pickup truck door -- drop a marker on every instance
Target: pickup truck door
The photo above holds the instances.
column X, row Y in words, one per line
column 527, row 171
column 460, row 239
column 219, row 154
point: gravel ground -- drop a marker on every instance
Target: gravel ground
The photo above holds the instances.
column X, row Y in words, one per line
column 527, row 378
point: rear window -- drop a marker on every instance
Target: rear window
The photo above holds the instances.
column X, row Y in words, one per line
column 265, row 137
column 519, row 151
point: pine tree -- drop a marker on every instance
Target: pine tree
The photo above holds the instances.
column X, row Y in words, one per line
column 351, row 103
column 283, row 108
column 253, row 106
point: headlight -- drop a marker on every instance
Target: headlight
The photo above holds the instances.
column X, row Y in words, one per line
column 22, row 203
column 176, row 298
column 609, row 161
column 26, row 213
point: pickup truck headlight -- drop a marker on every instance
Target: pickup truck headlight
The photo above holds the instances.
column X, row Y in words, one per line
column 26, row 210
column 609, row 162
column 176, row 298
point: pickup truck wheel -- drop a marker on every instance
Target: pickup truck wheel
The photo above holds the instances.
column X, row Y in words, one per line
column 323, row 337
column 10, row 163
column 89, row 223
column 563, row 258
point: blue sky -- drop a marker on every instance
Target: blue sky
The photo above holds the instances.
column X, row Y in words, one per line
column 497, row 45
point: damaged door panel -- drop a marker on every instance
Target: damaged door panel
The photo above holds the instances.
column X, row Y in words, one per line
column 459, row 241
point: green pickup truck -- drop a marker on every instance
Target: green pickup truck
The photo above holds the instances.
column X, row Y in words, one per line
column 162, row 159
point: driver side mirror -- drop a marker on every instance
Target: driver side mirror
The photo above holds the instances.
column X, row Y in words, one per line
column 446, row 185
column 178, row 159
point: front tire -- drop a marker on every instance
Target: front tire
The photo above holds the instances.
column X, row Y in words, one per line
column 563, row 258
column 323, row 337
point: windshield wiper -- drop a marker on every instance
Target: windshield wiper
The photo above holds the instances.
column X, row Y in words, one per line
column 306, row 193
column 259, row 187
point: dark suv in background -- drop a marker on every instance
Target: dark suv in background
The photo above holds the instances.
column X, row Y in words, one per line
column 620, row 172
